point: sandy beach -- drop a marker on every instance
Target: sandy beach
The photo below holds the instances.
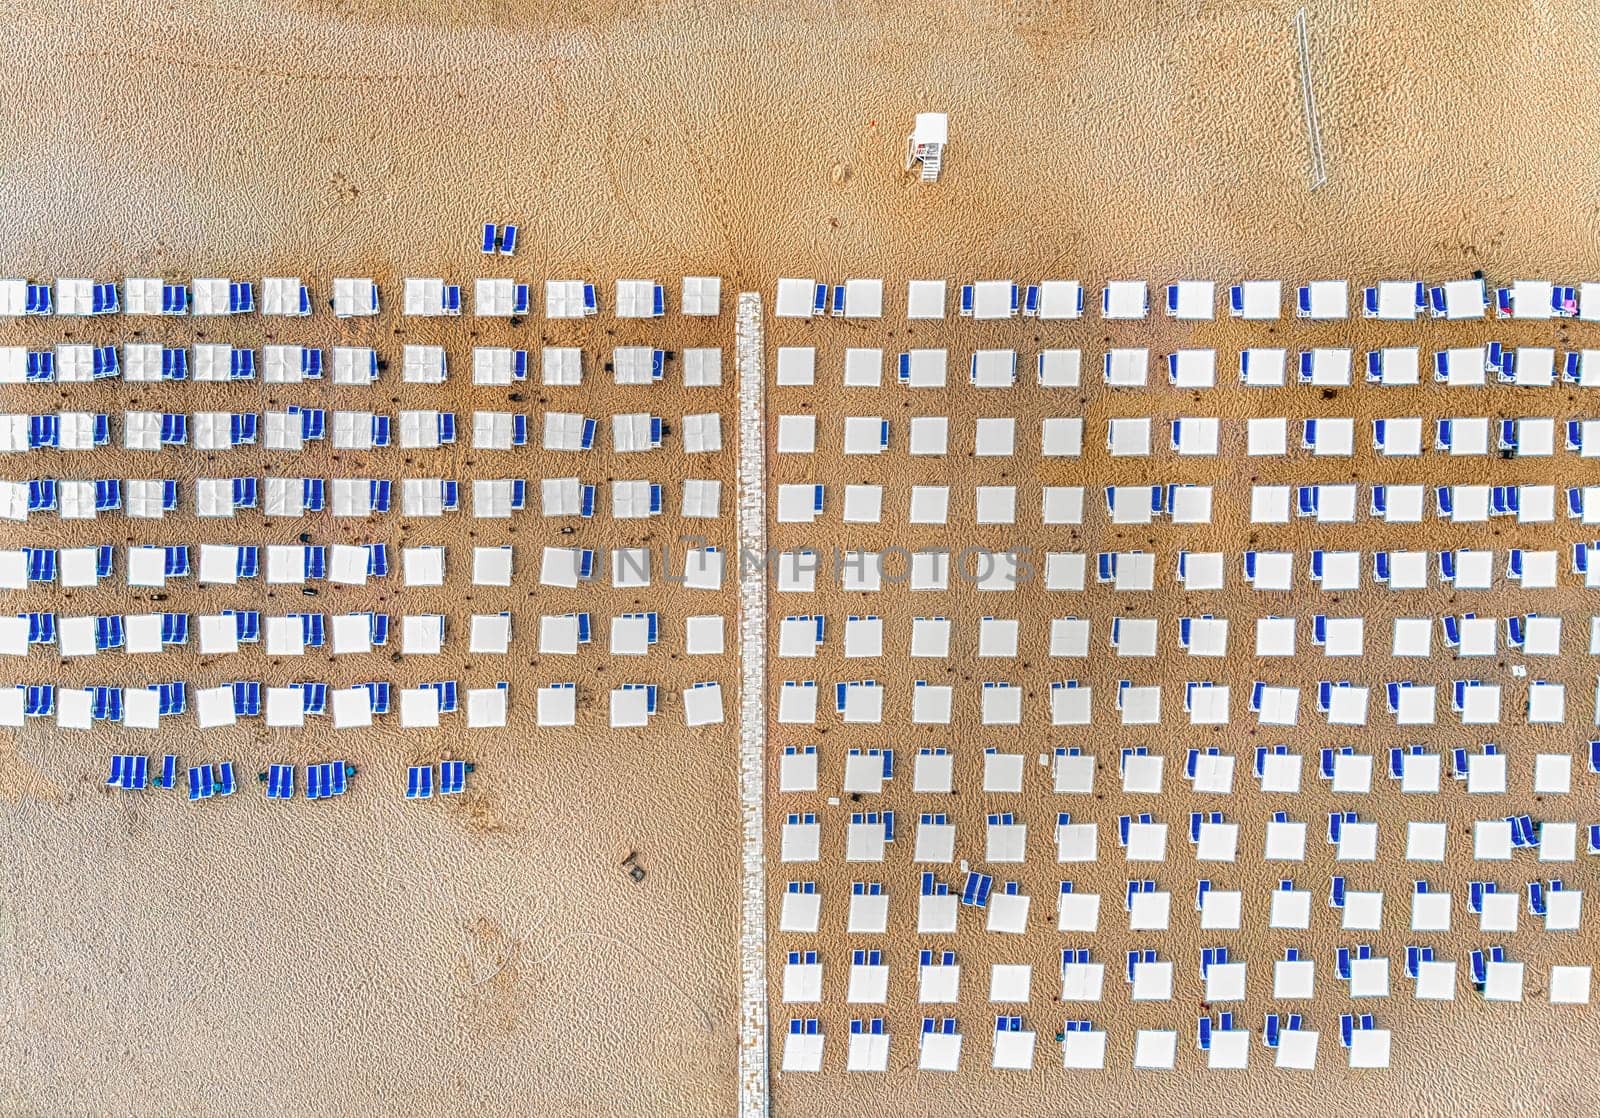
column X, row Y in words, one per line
column 490, row 957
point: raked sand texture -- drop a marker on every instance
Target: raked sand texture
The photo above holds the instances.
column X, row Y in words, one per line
column 167, row 961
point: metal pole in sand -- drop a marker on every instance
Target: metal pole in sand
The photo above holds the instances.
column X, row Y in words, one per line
column 753, row 1034
column 1319, row 169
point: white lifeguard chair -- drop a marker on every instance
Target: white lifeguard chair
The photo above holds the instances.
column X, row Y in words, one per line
column 928, row 136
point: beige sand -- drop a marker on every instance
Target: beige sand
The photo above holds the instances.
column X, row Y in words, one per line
column 331, row 962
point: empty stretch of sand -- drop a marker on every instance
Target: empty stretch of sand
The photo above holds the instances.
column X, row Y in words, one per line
column 490, row 957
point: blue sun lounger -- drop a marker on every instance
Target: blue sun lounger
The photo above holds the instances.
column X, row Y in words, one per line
column 1516, row 631
column 1476, row 891
column 318, row 780
column 447, row 693
column 313, row 696
column 419, row 782
column 280, row 782
column 171, row 697
column 247, row 630
column 202, row 784
column 41, row 627
column 1125, row 823
column 1330, row 755
column 107, row 495
column 247, row 693
column 1135, row 888
column 1149, row 955
column 105, row 704
column 174, row 364
column 108, row 632
column 44, row 431
column 453, row 777
column 169, row 772
column 1212, row 956
column 1008, row 1024
column 1530, row 830
column 41, row 563
column 38, row 700
column 490, row 238
column 42, row 494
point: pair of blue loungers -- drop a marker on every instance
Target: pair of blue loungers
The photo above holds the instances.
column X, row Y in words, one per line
column 502, row 239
